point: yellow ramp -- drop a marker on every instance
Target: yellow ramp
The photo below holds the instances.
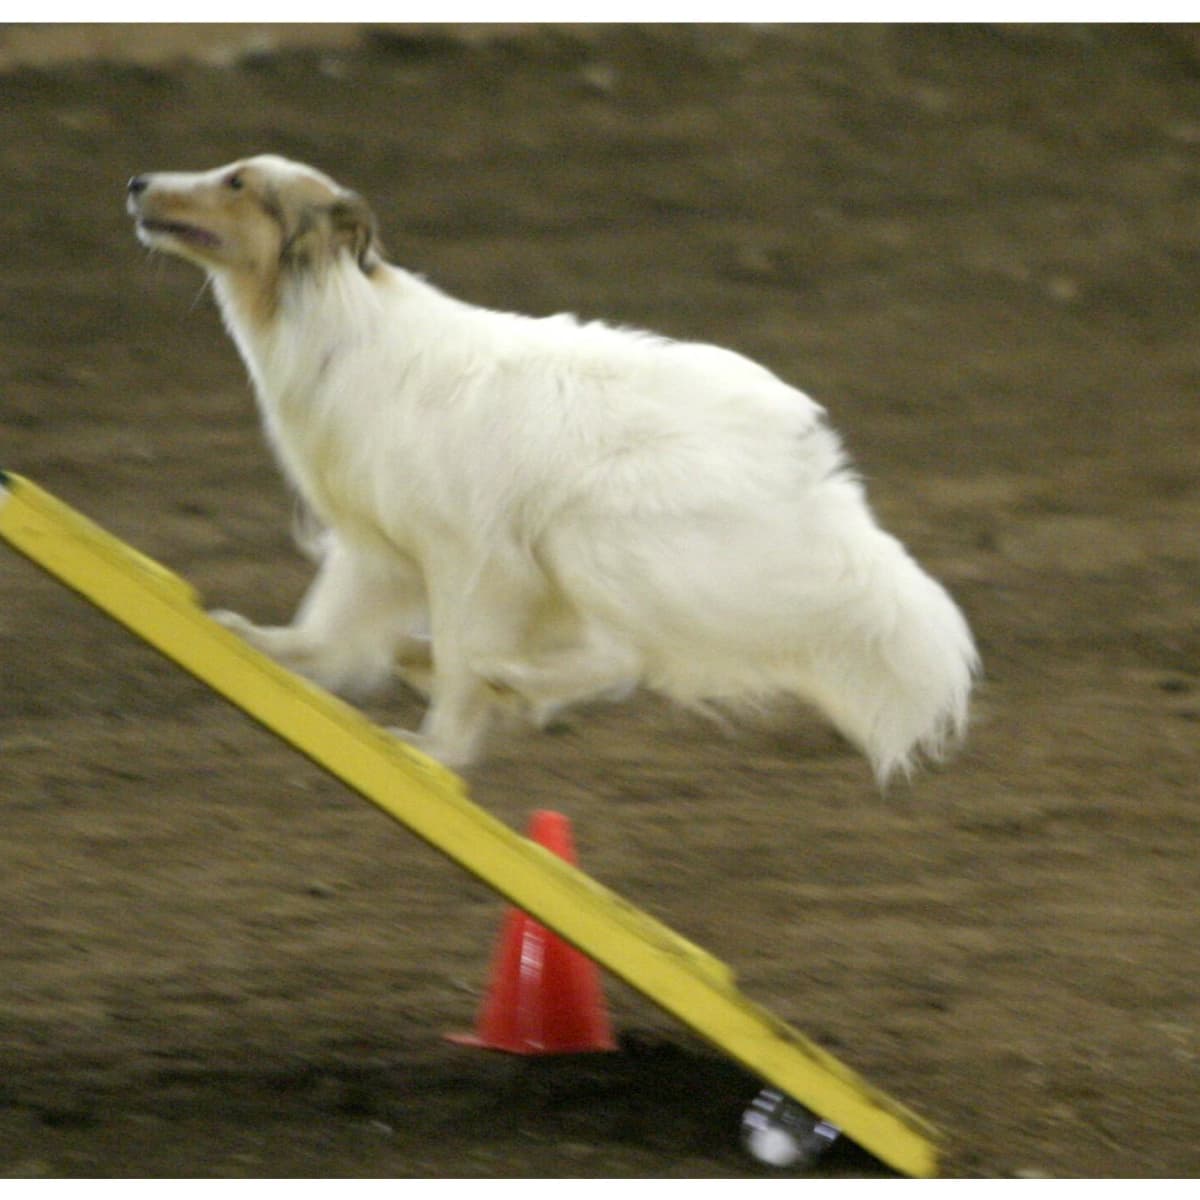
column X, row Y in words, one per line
column 431, row 801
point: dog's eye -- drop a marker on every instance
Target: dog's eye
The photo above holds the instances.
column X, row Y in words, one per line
column 235, row 182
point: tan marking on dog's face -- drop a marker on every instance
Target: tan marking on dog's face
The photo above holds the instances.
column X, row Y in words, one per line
column 252, row 221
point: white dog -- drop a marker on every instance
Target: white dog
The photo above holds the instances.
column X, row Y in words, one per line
column 569, row 510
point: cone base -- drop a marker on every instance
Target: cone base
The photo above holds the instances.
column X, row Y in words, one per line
column 475, row 1042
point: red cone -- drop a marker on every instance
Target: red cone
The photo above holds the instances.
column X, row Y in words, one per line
column 544, row 996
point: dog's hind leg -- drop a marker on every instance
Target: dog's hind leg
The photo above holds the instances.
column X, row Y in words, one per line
column 356, row 617
column 574, row 651
column 597, row 666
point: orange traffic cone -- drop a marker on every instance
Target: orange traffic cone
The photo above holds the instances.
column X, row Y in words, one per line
column 544, row 996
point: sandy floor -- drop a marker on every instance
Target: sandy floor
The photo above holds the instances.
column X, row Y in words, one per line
column 981, row 250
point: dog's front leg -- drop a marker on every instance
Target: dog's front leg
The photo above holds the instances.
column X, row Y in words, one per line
column 456, row 722
column 461, row 707
column 357, row 615
column 476, row 616
column 461, row 702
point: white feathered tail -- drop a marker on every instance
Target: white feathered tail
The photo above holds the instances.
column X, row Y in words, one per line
column 895, row 665
column 807, row 597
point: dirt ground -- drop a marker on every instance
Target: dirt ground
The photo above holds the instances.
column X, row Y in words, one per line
column 980, row 248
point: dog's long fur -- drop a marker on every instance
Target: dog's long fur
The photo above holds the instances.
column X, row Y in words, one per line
column 568, row 510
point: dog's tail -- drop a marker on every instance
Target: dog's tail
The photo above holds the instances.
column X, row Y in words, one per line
column 812, row 600
column 895, row 662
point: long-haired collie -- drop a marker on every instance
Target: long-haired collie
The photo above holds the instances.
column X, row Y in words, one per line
column 548, row 511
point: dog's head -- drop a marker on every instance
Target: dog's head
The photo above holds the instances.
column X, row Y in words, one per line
column 261, row 218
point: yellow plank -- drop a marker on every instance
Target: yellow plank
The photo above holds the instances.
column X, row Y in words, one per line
column 432, row 802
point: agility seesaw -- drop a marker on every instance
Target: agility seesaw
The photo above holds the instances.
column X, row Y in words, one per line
column 432, row 802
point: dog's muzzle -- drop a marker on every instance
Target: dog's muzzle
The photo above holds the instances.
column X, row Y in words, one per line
column 149, row 227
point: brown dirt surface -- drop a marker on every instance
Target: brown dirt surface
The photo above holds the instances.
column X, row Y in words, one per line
column 980, row 248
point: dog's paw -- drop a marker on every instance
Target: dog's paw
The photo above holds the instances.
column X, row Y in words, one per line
column 448, row 756
column 232, row 621
column 410, row 737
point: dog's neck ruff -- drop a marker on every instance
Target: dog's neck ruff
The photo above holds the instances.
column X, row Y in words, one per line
column 285, row 337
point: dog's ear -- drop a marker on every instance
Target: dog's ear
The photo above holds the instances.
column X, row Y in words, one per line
column 301, row 244
column 352, row 224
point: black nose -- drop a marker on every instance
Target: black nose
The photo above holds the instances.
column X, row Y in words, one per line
column 138, row 184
